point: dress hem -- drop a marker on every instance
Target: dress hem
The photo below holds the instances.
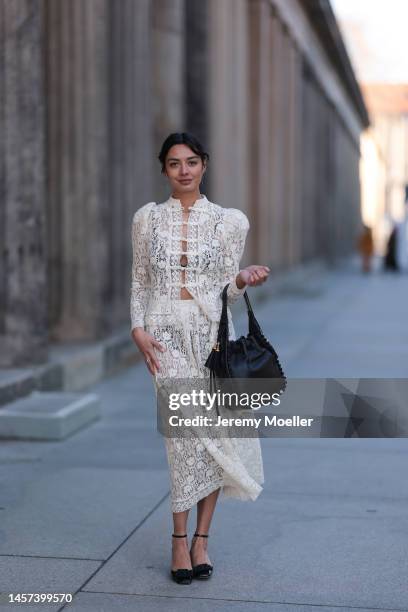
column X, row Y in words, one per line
column 196, row 497
column 227, row 492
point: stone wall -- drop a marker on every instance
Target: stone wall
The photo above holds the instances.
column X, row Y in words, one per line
column 284, row 133
column 91, row 89
column 23, row 195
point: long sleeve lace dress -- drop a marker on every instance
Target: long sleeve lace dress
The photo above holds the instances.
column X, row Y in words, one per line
column 215, row 238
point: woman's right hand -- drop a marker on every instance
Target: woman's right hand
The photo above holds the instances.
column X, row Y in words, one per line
column 146, row 345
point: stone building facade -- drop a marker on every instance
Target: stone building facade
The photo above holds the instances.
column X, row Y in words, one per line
column 90, row 88
column 388, row 104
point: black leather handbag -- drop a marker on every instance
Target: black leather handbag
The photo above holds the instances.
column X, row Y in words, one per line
column 249, row 357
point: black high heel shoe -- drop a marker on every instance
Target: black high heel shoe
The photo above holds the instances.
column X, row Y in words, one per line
column 202, row 570
column 182, row 576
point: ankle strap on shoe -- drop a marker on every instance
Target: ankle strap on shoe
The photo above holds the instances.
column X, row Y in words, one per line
column 179, row 536
column 201, row 535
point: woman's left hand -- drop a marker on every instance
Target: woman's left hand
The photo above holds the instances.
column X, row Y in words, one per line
column 254, row 275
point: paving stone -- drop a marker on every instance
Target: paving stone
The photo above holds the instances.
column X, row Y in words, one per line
column 80, row 513
column 41, row 575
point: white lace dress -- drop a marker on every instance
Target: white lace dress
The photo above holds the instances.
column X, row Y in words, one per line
column 215, row 239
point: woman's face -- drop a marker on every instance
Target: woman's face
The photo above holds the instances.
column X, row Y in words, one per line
column 184, row 169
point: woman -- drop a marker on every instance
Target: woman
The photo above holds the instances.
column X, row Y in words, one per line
column 185, row 250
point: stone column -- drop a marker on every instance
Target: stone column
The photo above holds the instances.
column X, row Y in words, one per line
column 133, row 169
column 168, row 74
column 294, row 196
column 77, row 88
column 330, row 219
column 286, row 146
column 318, row 169
column 321, row 153
column 278, row 142
column 196, row 24
column 308, row 164
column 260, row 136
column 229, row 108
column 23, row 278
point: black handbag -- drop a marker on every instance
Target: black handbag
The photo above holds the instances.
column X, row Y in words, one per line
column 249, row 357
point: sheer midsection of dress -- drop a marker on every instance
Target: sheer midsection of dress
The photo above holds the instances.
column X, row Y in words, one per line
column 185, row 294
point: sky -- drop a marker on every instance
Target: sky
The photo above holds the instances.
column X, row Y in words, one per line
column 376, row 37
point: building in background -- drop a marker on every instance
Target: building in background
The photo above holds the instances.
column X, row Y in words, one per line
column 91, row 89
column 388, row 104
column 375, row 36
column 373, row 189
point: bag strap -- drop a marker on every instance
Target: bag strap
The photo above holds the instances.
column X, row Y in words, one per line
column 223, row 332
column 253, row 324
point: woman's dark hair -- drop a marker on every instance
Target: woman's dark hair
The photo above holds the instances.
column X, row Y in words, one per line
column 182, row 138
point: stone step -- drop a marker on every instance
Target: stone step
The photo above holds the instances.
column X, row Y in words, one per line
column 71, row 367
column 48, row 415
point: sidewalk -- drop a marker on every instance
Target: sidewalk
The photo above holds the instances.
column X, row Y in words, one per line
column 91, row 515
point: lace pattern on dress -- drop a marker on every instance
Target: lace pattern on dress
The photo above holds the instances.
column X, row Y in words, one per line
column 215, row 238
column 188, row 328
